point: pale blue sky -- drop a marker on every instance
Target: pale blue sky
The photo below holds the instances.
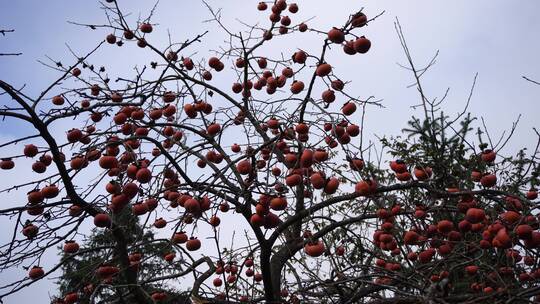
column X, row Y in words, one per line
column 498, row 39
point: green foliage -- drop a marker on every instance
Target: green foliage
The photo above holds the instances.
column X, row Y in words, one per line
column 78, row 270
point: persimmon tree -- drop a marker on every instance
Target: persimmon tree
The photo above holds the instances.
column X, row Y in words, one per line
column 264, row 191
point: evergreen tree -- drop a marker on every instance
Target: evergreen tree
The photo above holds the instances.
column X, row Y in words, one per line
column 98, row 249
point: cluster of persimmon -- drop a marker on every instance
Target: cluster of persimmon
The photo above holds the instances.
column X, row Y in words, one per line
column 272, row 82
column 335, row 35
column 486, row 179
column 230, row 271
column 474, row 227
column 301, row 167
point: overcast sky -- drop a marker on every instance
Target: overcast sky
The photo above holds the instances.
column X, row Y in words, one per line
column 496, row 39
